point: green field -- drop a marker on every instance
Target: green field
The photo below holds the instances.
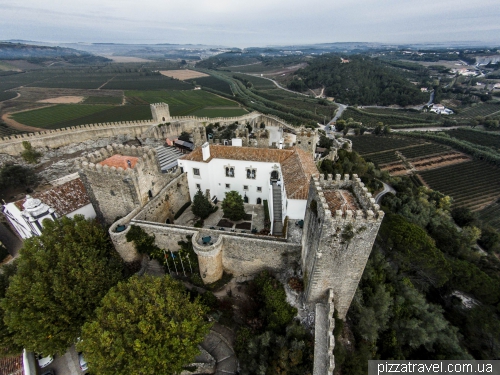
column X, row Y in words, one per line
column 141, row 82
column 207, row 112
column 6, row 131
column 117, row 100
column 480, row 109
column 181, row 103
column 48, row 117
column 257, row 83
column 382, row 157
column 371, row 118
column 212, row 83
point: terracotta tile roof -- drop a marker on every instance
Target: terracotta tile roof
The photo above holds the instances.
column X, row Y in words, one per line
column 297, row 171
column 269, row 155
column 12, row 365
column 64, row 198
column 119, row 161
column 340, row 200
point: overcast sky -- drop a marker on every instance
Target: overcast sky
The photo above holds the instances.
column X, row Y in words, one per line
column 250, row 23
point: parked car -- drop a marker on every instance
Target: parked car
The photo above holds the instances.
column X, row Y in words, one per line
column 44, row 361
column 83, row 362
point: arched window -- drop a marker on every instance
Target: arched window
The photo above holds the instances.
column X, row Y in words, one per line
column 259, row 201
column 274, row 175
column 245, row 199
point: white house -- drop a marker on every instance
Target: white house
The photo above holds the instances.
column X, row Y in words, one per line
column 440, row 110
column 68, row 198
column 254, row 173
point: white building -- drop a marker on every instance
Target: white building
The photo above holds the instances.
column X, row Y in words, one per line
column 440, row 109
column 256, row 173
column 67, row 198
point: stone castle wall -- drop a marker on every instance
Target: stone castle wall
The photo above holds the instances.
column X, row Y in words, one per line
column 336, row 246
column 324, row 340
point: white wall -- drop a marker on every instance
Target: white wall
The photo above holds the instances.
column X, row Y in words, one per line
column 87, row 211
column 18, row 221
column 296, row 209
column 213, row 177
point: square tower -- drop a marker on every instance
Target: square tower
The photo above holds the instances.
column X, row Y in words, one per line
column 160, row 112
column 120, row 178
column 340, row 227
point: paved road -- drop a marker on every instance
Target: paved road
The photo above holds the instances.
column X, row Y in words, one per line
column 342, row 108
column 387, row 189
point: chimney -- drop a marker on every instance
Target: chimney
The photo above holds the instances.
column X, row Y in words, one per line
column 205, row 149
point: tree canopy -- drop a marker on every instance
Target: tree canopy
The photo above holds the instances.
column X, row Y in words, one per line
column 7, row 345
column 201, row 205
column 14, row 176
column 61, row 277
column 232, row 205
column 145, row 325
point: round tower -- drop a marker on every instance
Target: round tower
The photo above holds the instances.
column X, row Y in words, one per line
column 209, row 258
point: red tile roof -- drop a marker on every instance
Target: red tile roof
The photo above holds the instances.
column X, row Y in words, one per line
column 297, row 165
column 12, row 365
column 119, row 161
column 340, row 200
column 64, row 198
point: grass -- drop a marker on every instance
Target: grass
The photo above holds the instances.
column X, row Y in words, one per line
column 103, row 100
column 47, row 117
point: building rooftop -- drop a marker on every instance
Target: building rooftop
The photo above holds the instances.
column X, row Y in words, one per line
column 64, row 199
column 12, row 365
column 297, row 165
column 342, row 200
column 118, row 161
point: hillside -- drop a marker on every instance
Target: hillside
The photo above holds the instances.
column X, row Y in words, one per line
column 363, row 81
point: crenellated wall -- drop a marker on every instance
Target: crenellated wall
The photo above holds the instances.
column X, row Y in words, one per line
column 324, row 340
column 115, row 192
column 336, row 246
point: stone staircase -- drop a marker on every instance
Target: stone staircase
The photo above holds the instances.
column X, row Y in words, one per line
column 219, row 344
column 277, row 213
column 167, row 157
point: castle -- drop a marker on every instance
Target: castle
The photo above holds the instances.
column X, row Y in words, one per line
column 323, row 227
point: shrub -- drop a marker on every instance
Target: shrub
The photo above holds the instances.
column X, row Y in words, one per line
column 296, row 284
column 29, row 154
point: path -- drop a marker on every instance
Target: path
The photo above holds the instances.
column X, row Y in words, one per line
column 430, row 129
column 219, row 344
column 340, row 110
column 387, row 189
column 105, row 83
column 277, row 84
column 18, row 126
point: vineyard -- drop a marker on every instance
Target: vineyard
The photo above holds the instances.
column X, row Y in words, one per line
column 113, row 100
column 367, row 144
column 424, row 150
column 371, row 119
column 6, row 131
column 482, row 138
column 382, row 157
column 491, row 215
column 483, row 110
column 213, row 83
column 472, row 184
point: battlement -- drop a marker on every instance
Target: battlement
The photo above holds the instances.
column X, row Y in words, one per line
column 366, row 208
column 146, row 157
column 306, row 132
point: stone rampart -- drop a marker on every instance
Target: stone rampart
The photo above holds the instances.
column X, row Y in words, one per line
column 324, row 340
column 126, row 249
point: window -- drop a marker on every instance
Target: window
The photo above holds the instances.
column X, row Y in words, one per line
column 196, row 171
column 228, row 186
column 259, row 189
column 259, row 201
column 245, row 187
column 198, row 186
column 229, row 171
column 251, row 173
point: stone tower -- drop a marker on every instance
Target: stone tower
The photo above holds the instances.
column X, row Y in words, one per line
column 160, row 112
column 340, row 227
column 120, row 178
column 306, row 139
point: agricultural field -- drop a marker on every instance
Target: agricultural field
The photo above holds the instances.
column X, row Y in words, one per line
column 73, row 81
column 480, row 109
column 183, row 74
column 371, row 119
column 424, row 150
column 6, row 95
column 491, row 215
column 213, row 83
column 368, row 144
column 417, row 116
column 181, row 103
column 482, row 138
column 5, row 130
column 382, row 158
column 219, row 112
column 257, row 83
column 113, row 100
column 328, row 111
column 48, row 117
column 136, row 81
column 473, row 184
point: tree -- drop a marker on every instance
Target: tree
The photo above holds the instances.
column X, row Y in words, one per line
column 184, row 137
column 7, row 345
column 13, row 176
column 463, row 216
column 201, row 205
column 232, row 205
column 29, row 154
column 145, row 325
column 61, row 277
